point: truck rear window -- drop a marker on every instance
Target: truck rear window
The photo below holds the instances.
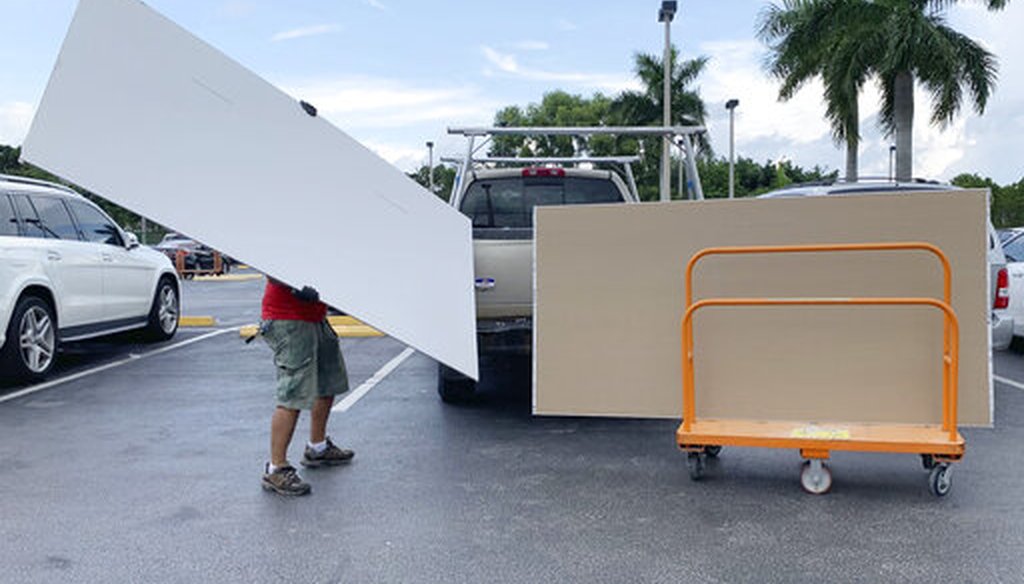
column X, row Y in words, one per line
column 509, row 201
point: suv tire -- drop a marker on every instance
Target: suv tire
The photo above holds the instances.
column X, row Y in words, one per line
column 454, row 387
column 163, row 315
column 32, row 317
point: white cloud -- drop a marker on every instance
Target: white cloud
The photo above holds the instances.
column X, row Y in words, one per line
column 375, row 4
column 508, row 64
column 366, row 102
column 403, row 156
column 734, row 71
column 15, row 118
column 503, row 61
column 307, row 31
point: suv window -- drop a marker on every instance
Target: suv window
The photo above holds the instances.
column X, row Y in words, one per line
column 56, row 221
column 1014, row 250
column 8, row 220
column 509, row 201
column 33, row 227
column 96, row 227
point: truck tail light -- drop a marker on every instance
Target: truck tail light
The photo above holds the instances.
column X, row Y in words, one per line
column 530, row 172
column 1002, row 289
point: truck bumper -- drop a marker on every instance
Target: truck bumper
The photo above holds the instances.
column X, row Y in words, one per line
column 1002, row 331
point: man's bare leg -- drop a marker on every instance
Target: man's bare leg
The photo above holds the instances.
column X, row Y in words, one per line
column 318, row 419
column 282, row 426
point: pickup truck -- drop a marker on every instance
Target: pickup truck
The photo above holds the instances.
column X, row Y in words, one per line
column 500, row 203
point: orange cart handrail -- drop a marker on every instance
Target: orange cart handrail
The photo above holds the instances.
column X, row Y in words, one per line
column 951, row 357
column 830, row 247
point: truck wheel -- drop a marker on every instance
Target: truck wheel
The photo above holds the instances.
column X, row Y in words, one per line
column 31, row 347
column 454, row 387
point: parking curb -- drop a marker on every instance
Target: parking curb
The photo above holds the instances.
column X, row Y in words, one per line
column 195, row 321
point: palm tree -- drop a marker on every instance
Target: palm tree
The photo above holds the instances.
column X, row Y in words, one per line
column 645, row 107
column 894, row 41
column 800, row 53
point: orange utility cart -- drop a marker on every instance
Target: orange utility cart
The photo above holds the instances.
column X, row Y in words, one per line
column 938, row 444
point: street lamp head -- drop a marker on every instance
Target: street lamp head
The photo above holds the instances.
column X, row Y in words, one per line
column 430, row 144
column 731, row 104
column 667, row 11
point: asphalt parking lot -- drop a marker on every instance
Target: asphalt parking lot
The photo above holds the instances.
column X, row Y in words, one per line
column 148, row 471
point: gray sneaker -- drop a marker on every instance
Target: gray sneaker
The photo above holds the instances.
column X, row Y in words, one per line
column 331, row 456
column 285, row 481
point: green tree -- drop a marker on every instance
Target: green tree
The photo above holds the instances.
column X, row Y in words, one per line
column 1007, row 202
column 752, row 178
column 444, row 178
column 894, row 41
column 556, row 109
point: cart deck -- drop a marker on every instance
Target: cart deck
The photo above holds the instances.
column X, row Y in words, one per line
column 907, row 438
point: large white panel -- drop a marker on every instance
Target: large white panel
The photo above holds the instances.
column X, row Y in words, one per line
column 143, row 113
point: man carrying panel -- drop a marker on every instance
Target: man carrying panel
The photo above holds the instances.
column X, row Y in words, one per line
column 310, row 372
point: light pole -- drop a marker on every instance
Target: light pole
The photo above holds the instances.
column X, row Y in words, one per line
column 680, row 185
column 430, row 166
column 731, row 106
column 665, row 14
column 892, row 157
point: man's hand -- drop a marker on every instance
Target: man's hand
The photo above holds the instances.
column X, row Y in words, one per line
column 307, row 294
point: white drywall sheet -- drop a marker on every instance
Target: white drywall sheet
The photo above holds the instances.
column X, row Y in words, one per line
column 145, row 114
column 610, row 296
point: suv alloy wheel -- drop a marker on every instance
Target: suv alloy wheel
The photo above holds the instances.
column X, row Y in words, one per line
column 31, row 349
column 163, row 316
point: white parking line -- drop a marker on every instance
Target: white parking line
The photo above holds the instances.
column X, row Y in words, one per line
column 1009, row 382
column 351, row 399
column 130, row 359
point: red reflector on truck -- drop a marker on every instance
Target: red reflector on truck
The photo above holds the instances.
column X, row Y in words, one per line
column 544, row 172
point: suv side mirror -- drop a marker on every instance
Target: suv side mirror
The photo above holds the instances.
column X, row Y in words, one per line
column 131, row 241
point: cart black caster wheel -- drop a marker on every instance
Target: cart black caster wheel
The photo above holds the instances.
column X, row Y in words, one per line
column 712, row 451
column 816, row 478
column 927, row 461
column 695, row 464
column 941, row 479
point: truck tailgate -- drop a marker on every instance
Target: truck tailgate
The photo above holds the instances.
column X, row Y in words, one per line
column 504, row 276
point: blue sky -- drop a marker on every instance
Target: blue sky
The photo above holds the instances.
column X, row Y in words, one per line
column 395, row 73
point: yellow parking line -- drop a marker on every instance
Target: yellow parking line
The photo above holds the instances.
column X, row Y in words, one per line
column 228, row 278
column 346, row 320
column 196, row 321
column 357, row 330
column 350, row 331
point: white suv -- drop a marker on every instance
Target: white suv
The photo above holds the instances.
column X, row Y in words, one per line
column 68, row 272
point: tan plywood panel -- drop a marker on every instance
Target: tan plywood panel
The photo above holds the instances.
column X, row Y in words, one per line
column 145, row 114
column 610, row 296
